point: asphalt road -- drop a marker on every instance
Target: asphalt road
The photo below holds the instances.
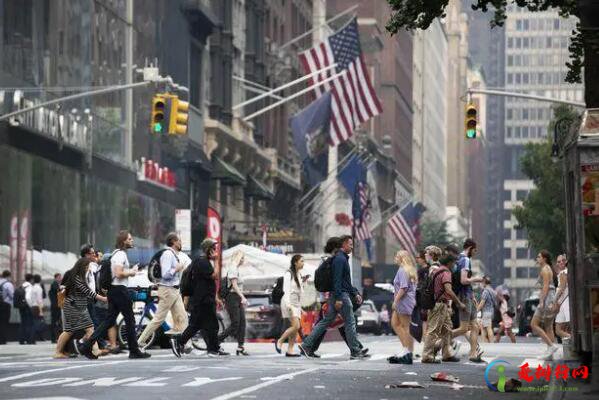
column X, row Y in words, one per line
column 28, row 372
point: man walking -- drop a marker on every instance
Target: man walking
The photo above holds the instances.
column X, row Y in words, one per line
column 118, row 299
column 55, row 322
column 439, row 318
column 37, row 308
column 466, row 296
column 200, row 287
column 169, row 298
column 22, row 301
column 7, row 291
column 339, row 302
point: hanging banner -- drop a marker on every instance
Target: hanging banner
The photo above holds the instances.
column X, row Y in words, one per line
column 183, row 228
column 14, row 246
column 214, row 231
column 23, row 243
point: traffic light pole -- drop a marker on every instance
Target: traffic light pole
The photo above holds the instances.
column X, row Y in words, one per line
column 111, row 89
column 525, row 96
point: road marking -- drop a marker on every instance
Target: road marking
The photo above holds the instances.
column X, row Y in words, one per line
column 331, row 355
column 105, row 382
column 150, row 382
column 45, row 382
column 264, row 384
column 205, row 381
column 27, row 375
column 181, row 368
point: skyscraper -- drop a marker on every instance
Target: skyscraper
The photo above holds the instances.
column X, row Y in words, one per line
column 536, row 50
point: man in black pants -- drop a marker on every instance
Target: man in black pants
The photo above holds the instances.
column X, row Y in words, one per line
column 199, row 293
column 118, row 300
column 7, row 291
column 56, row 323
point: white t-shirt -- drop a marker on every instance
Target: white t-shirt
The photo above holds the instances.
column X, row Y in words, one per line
column 233, row 273
column 37, row 295
column 119, row 257
column 90, row 277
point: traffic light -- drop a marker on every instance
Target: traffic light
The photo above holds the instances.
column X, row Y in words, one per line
column 471, row 122
column 178, row 116
column 160, row 117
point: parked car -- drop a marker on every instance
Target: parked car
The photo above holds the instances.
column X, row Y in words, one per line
column 368, row 318
column 263, row 318
column 525, row 312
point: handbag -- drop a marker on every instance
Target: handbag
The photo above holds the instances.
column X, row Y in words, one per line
column 60, row 296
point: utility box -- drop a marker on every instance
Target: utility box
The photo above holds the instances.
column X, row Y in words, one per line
column 580, row 151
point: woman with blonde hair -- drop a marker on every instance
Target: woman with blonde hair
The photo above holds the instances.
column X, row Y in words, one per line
column 404, row 302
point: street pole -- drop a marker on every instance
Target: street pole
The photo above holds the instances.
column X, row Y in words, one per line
column 525, row 96
column 128, row 139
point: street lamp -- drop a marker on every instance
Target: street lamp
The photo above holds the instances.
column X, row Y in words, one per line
column 561, row 128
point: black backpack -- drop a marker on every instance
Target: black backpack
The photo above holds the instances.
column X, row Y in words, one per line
column 19, row 298
column 154, row 267
column 323, row 277
column 224, row 288
column 427, row 298
column 456, row 275
column 277, row 291
column 105, row 280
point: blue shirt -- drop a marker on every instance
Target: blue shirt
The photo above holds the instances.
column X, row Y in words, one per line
column 341, row 276
column 168, row 265
column 464, row 263
column 8, row 290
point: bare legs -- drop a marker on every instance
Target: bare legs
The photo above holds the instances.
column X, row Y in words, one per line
column 290, row 334
column 401, row 326
column 547, row 336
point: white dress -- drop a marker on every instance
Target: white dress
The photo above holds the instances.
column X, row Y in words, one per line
column 563, row 315
column 291, row 303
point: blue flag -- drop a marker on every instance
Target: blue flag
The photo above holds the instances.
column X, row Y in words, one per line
column 353, row 173
column 310, row 128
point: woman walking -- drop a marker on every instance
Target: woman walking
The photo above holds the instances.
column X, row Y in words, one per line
column 75, row 314
column 507, row 319
column 235, row 303
column 291, row 304
column 562, row 320
column 403, row 304
column 542, row 320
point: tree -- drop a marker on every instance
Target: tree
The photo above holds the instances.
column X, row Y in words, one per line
column 434, row 232
column 542, row 213
column 419, row 14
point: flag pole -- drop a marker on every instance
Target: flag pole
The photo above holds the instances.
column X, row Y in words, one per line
column 284, row 86
column 293, row 96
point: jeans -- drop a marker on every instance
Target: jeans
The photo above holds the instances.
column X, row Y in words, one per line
column 118, row 302
column 203, row 317
column 97, row 320
column 26, row 328
column 4, row 319
column 237, row 316
column 350, row 325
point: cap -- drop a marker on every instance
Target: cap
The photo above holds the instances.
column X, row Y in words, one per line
column 207, row 244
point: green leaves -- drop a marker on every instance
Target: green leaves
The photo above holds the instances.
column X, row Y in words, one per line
column 419, row 14
column 542, row 213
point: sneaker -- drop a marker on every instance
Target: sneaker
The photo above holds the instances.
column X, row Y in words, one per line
column 187, row 350
column 114, row 349
column 76, row 345
column 315, row 355
column 305, row 351
column 451, row 359
column 175, row 346
column 359, row 356
column 218, row 353
column 86, row 350
column 139, row 355
column 405, row 359
column 364, row 351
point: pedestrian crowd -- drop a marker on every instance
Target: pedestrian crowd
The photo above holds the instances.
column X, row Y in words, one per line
column 435, row 301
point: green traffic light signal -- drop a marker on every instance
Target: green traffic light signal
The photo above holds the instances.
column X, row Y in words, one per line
column 157, row 127
column 471, row 133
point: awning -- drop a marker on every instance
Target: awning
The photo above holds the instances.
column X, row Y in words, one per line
column 226, row 173
column 257, row 189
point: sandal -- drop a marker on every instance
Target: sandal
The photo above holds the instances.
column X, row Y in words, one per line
column 60, row 356
column 277, row 348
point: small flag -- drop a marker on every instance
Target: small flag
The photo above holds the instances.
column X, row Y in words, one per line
column 405, row 226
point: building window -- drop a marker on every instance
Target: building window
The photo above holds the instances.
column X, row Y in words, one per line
column 556, row 24
column 510, row 61
column 522, row 254
column 507, row 254
column 518, row 43
column 525, row 78
column 548, row 42
column 521, row 234
column 510, row 43
column 509, row 132
column 521, row 195
column 510, row 113
column 525, row 131
column 518, row 24
column 518, row 133
column 507, row 234
column 525, row 110
column 525, row 25
column 507, row 215
column 507, row 195
column 510, row 78
column 521, row 272
column 525, row 42
column 518, row 78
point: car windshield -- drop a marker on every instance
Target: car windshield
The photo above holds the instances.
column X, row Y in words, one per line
column 367, row 307
column 258, row 301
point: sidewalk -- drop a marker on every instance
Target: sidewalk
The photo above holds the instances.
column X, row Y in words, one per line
column 12, row 349
column 573, row 389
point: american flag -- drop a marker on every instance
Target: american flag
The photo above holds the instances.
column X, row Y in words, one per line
column 354, row 99
column 362, row 213
column 405, row 226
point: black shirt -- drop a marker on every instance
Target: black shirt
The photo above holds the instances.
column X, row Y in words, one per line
column 202, row 286
column 54, row 288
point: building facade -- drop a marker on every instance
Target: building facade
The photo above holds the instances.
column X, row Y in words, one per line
column 71, row 172
column 536, row 51
column 429, row 139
